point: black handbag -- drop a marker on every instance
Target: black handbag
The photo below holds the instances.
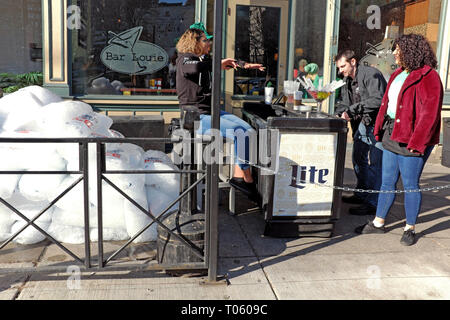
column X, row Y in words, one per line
column 391, row 145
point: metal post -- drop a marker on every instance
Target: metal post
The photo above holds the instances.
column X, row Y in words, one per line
column 213, row 176
column 87, row 242
column 188, row 204
column 100, row 169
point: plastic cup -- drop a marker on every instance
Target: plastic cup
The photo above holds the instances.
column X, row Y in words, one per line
column 290, row 101
column 289, row 88
column 268, row 95
column 297, row 99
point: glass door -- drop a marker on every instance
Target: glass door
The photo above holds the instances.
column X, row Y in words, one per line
column 256, row 33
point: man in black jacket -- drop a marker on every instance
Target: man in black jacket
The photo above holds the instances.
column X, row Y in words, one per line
column 360, row 101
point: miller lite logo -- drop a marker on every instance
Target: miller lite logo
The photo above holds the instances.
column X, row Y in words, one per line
column 301, row 175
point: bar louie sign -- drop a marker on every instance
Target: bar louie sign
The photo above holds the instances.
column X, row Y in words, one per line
column 126, row 54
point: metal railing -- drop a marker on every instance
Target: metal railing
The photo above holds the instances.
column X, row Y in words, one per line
column 83, row 143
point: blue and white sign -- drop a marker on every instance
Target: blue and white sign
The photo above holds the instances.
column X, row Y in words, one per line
column 126, row 54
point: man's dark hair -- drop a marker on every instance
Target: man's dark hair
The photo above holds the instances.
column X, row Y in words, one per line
column 347, row 54
column 415, row 51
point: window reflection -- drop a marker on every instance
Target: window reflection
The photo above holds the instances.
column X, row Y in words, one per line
column 448, row 74
column 128, row 47
column 309, row 39
column 257, row 41
column 21, row 36
column 397, row 17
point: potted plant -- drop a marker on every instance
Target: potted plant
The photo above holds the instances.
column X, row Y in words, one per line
column 10, row 83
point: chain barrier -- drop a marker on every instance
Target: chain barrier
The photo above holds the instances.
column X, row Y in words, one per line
column 346, row 188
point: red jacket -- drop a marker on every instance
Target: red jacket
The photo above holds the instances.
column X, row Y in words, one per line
column 418, row 114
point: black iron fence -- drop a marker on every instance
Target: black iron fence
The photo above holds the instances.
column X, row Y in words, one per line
column 206, row 255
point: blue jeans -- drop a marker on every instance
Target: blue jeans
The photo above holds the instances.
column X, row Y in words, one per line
column 231, row 127
column 411, row 169
column 367, row 159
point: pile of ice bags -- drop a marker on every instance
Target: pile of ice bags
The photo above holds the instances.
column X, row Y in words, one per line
column 36, row 112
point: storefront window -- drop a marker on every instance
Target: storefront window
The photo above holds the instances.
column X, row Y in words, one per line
column 21, row 36
column 210, row 16
column 128, row 47
column 309, row 37
column 256, row 41
column 369, row 27
column 448, row 75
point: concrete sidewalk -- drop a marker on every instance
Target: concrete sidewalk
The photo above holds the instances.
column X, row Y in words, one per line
column 345, row 266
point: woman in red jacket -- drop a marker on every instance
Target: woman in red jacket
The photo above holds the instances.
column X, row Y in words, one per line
column 408, row 124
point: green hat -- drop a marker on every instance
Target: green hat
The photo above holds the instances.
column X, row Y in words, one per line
column 312, row 68
column 201, row 26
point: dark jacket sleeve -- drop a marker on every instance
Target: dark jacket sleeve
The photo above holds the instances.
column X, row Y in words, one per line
column 191, row 65
column 340, row 108
column 374, row 86
column 343, row 103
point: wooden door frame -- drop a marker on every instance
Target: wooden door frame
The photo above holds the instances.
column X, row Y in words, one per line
column 231, row 103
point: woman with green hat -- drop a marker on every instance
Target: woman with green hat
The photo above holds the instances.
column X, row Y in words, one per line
column 201, row 26
column 193, row 83
column 312, row 71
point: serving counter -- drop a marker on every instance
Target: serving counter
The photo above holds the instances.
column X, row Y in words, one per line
column 300, row 156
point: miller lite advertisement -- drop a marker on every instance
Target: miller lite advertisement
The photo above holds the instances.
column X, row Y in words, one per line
column 305, row 162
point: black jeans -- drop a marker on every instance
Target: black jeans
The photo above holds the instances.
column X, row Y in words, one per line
column 367, row 159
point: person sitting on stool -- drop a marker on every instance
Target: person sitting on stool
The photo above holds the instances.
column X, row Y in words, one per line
column 193, row 84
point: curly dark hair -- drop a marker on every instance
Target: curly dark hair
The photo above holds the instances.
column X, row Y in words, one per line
column 415, row 52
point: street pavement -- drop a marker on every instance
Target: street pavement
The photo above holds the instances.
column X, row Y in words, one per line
column 345, row 266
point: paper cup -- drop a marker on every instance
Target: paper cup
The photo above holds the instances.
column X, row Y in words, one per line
column 268, row 95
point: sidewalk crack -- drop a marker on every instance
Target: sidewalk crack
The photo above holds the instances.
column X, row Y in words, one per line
column 28, row 277
column 257, row 258
column 19, row 289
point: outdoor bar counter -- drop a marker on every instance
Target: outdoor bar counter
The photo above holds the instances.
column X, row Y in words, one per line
column 309, row 154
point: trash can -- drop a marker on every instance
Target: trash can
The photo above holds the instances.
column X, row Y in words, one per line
column 446, row 142
column 310, row 153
